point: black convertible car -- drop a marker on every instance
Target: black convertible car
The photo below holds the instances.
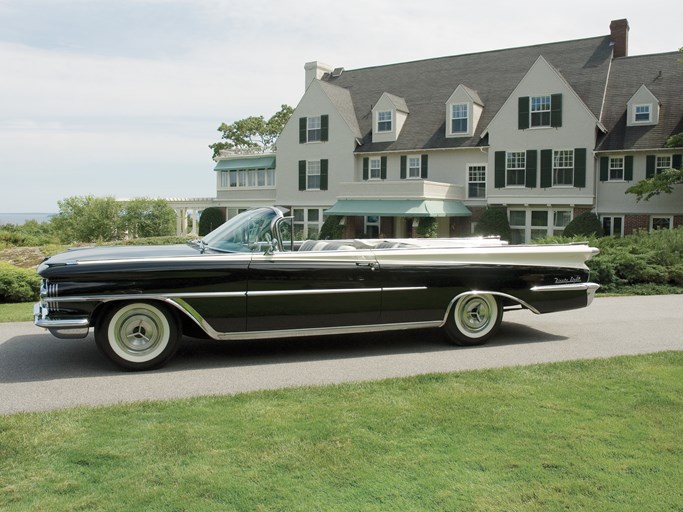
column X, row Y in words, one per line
column 248, row 279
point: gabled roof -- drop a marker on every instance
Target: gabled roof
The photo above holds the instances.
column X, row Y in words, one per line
column 427, row 84
column 662, row 74
column 343, row 103
column 399, row 103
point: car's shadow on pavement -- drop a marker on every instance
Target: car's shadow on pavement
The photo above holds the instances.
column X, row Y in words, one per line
column 41, row 357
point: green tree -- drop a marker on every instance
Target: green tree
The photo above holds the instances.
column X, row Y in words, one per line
column 494, row 222
column 586, row 224
column 210, row 219
column 143, row 217
column 87, row 219
column 252, row 132
column 664, row 181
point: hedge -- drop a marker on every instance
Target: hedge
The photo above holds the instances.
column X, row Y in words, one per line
column 18, row 284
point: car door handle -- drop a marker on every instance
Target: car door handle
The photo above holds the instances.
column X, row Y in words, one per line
column 372, row 264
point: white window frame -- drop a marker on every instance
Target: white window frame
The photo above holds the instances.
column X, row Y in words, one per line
column 385, row 118
column 557, row 168
column 530, row 231
column 614, row 168
column 647, row 108
column 247, row 179
column 375, row 169
column 668, row 218
column 312, row 171
column 463, row 108
column 662, row 162
column 304, row 227
column 540, row 111
column 414, row 172
column 611, row 218
column 479, row 171
column 517, row 169
column 314, row 129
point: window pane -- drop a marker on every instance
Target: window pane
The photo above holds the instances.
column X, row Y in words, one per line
column 562, row 218
column 314, row 129
column 313, row 215
column 517, row 218
column 375, row 168
column 539, row 218
column 384, row 121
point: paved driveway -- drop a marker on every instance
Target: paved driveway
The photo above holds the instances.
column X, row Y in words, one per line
column 39, row 372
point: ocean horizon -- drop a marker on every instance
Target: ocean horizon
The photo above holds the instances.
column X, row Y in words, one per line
column 22, row 218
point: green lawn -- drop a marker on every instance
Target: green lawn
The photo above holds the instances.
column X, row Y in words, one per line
column 22, row 312
column 599, row 435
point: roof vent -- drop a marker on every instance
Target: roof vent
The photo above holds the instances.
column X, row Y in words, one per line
column 336, row 72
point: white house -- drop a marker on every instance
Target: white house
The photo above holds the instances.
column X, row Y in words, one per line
column 546, row 132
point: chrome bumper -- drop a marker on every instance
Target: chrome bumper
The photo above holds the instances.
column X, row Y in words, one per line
column 72, row 328
column 590, row 289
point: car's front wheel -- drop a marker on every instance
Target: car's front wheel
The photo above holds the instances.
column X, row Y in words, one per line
column 474, row 319
column 138, row 336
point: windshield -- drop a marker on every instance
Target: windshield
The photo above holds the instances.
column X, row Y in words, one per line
column 246, row 232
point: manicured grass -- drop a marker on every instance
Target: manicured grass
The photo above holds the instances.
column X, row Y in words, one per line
column 21, row 312
column 594, row 435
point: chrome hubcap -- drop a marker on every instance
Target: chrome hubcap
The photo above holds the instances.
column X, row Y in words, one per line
column 475, row 314
column 139, row 332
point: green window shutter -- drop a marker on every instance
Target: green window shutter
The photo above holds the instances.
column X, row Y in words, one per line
column 323, row 174
column 404, row 167
column 302, row 174
column 604, row 168
column 580, row 167
column 324, row 127
column 424, row 168
column 499, row 174
column 531, row 167
column 383, row 168
column 650, row 162
column 303, row 125
column 523, row 122
column 628, row 168
column 366, row 168
column 546, row 168
column 556, row 110
column 676, row 161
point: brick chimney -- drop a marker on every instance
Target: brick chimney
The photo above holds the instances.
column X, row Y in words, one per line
column 619, row 34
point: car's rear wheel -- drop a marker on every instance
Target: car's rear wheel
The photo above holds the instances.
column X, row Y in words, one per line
column 138, row 335
column 474, row 319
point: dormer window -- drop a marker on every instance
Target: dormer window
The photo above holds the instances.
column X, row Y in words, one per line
column 459, row 118
column 642, row 108
column 384, row 121
column 642, row 113
column 389, row 115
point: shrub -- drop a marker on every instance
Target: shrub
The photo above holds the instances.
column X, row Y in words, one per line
column 331, row 229
column 494, row 222
column 586, row 224
column 428, row 228
column 210, row 219
column 17, row 284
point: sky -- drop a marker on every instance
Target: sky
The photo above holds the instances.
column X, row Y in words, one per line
column 122, row 97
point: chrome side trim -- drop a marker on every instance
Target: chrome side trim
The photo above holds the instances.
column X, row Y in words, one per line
column 201, row 295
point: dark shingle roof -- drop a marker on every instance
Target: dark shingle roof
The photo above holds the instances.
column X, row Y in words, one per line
column 426, row 85
column 662, row 74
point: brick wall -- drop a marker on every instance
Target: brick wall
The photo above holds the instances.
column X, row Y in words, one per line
column 634, row 222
